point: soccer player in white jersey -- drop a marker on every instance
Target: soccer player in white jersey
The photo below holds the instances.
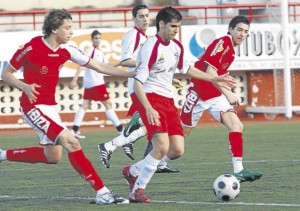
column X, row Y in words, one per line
column 94, row 88
column 42, row 58
column 131, row 45
column 159, row 58
column 220, row 103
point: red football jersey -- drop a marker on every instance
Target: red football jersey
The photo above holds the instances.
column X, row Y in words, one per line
column 219, row 54
column 41, row 66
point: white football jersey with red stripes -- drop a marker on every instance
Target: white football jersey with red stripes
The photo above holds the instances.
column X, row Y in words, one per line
column 159, row 61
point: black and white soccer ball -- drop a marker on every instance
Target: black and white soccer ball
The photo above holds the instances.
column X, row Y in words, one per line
column 226, row 187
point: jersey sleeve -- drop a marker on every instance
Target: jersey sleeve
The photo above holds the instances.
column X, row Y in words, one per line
column 145, row 60
column 77, row 56
column 215, row 51
column 128, row 43
column 20, row 56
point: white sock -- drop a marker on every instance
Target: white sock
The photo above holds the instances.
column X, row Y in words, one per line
column 237, row 164
column 103, row 190
column 122, row 140
column 79, row 116
column 3, row 155
column 136, row 168
column 112, row 116
column 147, row 171
column 109, row 146
column 164, row 161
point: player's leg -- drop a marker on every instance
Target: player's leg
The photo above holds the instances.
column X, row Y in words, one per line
column 106, row 149
column 222, row 111
column 85, row 169
column 78, row 118
column 149, row 166
column 235, row 127
column 163, row 166
column 110, row 113
column 42, row 119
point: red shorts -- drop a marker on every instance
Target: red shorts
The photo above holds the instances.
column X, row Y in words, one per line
column 133, row 107
column 96, row 93
column 169, row 115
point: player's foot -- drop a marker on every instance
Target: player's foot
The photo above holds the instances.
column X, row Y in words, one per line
column 0, row 155
column 129, row 178
column 247, row 176
column 138, row 196
column 110, row 198
column 132, row 125
column 104, row 155
column 128, row 149
column 166, row 169
column 77, row 134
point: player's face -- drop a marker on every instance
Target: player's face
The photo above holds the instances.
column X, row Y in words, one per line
column 169, row 31
column 239, row 33
column 96, row 40
column 64, row 32
column 142, row 19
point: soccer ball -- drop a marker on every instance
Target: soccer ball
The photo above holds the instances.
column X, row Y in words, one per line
column 226, row 187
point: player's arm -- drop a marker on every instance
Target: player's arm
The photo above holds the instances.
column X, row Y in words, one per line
column 29, row 89
column 73, row 82
column 152, row 114
column 224, row 81
column 128, row 63
column 108, row 69
column 231, row 97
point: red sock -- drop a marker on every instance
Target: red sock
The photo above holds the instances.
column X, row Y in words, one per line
column 236, row 144
column 27, row 155
column 84, row 167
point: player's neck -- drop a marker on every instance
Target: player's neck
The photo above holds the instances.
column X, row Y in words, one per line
column 51, row 42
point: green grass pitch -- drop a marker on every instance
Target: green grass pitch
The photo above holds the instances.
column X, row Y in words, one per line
column 273, row 148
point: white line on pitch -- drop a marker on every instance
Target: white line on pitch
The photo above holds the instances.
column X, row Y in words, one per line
column 155, row 201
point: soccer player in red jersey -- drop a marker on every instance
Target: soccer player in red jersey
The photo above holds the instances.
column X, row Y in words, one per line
column 94, row 88
column 159, row 57
column 220, row 103
column 42, row 58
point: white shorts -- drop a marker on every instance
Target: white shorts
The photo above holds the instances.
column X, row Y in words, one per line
column 194, row 107
column 45, row 120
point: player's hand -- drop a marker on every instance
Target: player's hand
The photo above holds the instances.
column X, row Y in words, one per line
column 30, row 91
column 177, row 83
column 233, row 100
column 131, row 74
column 72, row 84
column 153, row 116
column 226, row 81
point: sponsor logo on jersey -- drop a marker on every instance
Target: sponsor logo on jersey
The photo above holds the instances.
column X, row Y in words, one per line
column 218, row 48
column 191, row 100
column 38, row 120
column 53, row 54
column 44, row 70
column 26, row 50
column 161, row 59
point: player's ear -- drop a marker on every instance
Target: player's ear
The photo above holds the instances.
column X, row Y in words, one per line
column 161, row 24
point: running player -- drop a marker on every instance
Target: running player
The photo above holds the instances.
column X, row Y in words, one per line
column 42, row 58
column 94, row 88
column 159, row 57
column 220, row 103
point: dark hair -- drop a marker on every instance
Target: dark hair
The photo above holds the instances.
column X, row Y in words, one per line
column 166, row 15
column 95, row 33
column 238, row 19
column 137, row 8
column 54, row 20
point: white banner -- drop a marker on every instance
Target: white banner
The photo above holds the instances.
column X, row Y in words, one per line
column 261, row 50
